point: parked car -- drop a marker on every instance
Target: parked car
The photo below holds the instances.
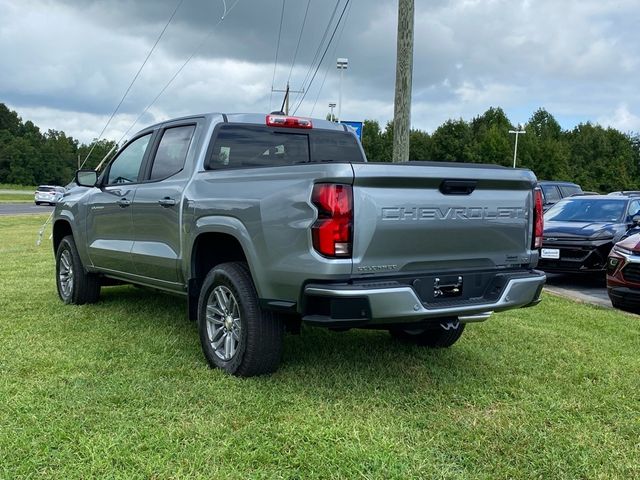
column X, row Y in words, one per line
column 50, row 194
column 623, row 274
column 628, row 193
column 266, row 222
column 553, row 191
column 580, row 231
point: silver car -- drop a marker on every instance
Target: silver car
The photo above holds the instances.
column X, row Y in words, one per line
column 48, row 194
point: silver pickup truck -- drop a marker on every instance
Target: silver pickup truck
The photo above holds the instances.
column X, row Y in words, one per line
column 264, row 222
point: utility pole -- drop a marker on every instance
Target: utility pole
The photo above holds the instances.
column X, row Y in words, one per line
column 342, row 64
column 404, row 72
column 285, row 103
column 515, row 148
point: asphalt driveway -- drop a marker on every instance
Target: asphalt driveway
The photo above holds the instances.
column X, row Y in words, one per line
column 584, row 288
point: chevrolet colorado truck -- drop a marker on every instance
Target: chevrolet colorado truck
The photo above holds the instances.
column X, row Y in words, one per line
column 264, row 222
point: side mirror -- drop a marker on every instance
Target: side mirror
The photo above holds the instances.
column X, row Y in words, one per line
column 636, row 220
column 86, row 178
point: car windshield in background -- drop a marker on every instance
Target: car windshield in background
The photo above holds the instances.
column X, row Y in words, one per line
column 46, row 189
column 587, row 210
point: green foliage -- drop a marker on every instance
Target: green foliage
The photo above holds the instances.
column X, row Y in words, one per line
column 29, row 157
column 597, row 158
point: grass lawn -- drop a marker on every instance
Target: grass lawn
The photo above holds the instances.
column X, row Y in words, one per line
column 11, row 186
column 16, row 197
column 121, row 389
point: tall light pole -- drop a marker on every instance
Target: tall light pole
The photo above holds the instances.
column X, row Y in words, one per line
column 515, row 148
column 342, row 64
column 404, row 73
column 332, row 105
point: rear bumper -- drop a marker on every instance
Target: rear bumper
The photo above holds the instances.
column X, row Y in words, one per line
column 391, row 303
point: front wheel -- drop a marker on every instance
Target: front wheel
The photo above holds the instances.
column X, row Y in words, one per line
column 621, row 305
column 237, row 336
column 74, row 284
column 442, row 334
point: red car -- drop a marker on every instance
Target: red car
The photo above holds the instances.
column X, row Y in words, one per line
column 623, row 274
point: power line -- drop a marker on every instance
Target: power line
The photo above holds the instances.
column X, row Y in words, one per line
column 319, row 49
column 335, row 47
column 323, row 55
column 179, row 69
column 275, row 64
column 133, row 81
column 304, row 21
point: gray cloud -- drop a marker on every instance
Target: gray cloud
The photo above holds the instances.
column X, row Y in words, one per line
column 66, row 63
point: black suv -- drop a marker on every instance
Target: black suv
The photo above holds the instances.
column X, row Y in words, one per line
column 580, row 231
column 553, row 191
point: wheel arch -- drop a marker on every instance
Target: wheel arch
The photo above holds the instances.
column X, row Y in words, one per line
column 61, row 228
column 218, row 241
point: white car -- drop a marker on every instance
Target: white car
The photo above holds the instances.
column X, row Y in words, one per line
column 48, row 194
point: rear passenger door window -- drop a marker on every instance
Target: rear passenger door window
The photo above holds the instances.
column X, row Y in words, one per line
column 172, row 152
column 551, row 194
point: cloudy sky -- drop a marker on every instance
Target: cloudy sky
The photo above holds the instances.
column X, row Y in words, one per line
column 67, row 63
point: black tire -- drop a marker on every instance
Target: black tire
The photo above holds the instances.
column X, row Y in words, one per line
column 38, row 203
column 620, row 305
column 84, row 287
column 255, row 336
column 442, row 334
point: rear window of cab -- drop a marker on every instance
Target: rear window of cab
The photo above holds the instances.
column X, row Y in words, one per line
column 247, row 146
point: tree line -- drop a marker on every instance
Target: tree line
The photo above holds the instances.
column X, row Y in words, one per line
column 599, row 159
column 30, row 157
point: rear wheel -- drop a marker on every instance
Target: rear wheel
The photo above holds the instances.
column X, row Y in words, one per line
column 74, row 284
column 440, row 335
column 237, row 336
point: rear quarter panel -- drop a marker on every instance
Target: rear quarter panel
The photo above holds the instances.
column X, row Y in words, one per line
column 269, row 211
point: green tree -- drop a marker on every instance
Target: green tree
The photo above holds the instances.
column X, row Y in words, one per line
column 451, row 141
column 490, row 138
column 544, row 148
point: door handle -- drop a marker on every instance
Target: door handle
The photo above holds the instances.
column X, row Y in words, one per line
column 167, row 202
column 123, row 202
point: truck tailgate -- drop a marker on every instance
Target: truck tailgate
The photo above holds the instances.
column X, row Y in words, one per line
column 436, row 217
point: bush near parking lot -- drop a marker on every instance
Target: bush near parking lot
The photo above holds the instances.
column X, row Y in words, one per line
column 120, row 389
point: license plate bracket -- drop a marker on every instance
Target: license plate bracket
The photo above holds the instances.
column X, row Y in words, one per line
column 449, row 286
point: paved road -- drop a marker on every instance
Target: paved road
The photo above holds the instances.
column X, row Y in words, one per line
column 584, row 288
column 23, row 208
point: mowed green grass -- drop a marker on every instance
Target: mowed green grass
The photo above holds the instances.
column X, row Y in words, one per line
column 120, row 389
column 16, row 197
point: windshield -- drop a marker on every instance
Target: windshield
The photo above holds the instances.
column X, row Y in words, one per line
column 586, row 210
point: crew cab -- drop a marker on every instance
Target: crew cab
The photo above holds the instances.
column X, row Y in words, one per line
column 264, row 222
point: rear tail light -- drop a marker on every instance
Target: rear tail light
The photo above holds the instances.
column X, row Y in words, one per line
column 538, row 219
column 333, row 231
column 289, row 122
